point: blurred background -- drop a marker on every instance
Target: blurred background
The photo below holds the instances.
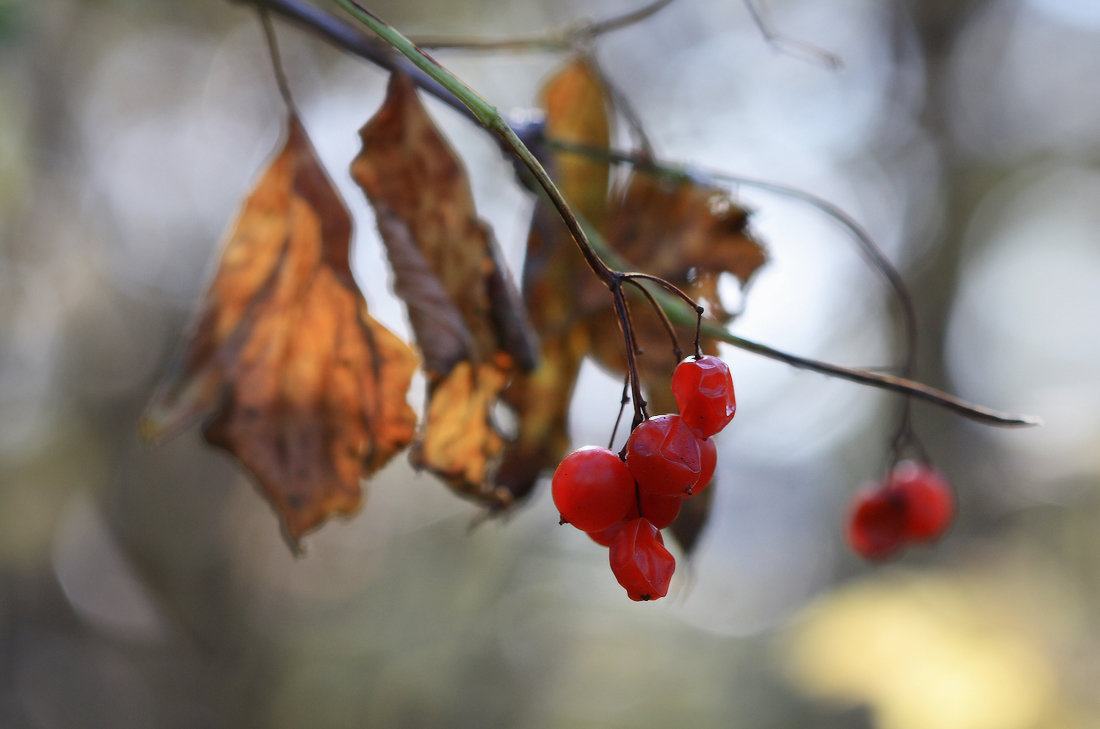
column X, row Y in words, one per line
column 148, row 586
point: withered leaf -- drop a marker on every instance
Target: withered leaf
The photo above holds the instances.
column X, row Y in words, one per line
column 685, row 232
column 305, row 388
column 467, row 316
column 688, row 234
column 577, row 111
column 540, row 400
column 554, row 275
column 576, row 104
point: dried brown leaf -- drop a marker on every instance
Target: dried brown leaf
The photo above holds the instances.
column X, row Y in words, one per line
column 540, row 400
column 687, row 233
column 684, row 232
column 306, row 390
column 460, row 444
column 555, row 275
column 467, row 316
column 576, row 104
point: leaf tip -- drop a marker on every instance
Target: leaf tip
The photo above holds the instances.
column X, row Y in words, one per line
column 293, row 542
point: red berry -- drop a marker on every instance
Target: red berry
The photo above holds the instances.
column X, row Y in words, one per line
column 703, row 389
column 592, row 488
column 660, row 511
column 663, row 455
column 708, row 461
column 876, row 527
column 640, row 561
column 930, row 505
column 605, row 537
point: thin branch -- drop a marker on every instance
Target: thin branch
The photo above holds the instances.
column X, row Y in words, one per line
column 900, row 385
column 626, row 325
column 564, row 39
column 706, row 176
column 622, row 408
column 572, row 36
column 791, row 46
column 668, row 286
column 350, row 38
column 277, row 61
column 621, row 104
column 628, row 19
column 866, row 245
column 661, row 315
column 683, row 314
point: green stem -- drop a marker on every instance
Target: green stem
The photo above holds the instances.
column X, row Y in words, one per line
column 679, row 312
column 578, row 230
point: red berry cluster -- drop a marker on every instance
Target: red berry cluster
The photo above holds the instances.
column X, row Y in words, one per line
column 624, row 504
column 914, row 504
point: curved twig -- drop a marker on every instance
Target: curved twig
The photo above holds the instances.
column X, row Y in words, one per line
column 661, row 315
column 563, row 39
column 791, row 46
column 277, row 61
column 901, row 385
column 350, row 38
column 626, row 325
column 622, row 408
column 681, row 313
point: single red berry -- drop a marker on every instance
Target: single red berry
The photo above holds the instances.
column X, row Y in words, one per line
column 930, row 505
column 640, row 561
column 703, row 389
column 605, row 537
column 708, row 461
column 876, row 526
column 663, row 455
column 660, row 511
column 592, row 488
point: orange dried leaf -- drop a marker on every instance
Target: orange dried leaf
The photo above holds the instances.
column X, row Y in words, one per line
column 306, row 390
column 555, row 277
column 460, row 443
column 685, row 232
column 540, row 400
column 554, row 272
column 688, row 234
column 466, row 314
column 576, row 104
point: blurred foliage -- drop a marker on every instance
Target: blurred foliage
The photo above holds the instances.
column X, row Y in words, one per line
column 147, row 587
